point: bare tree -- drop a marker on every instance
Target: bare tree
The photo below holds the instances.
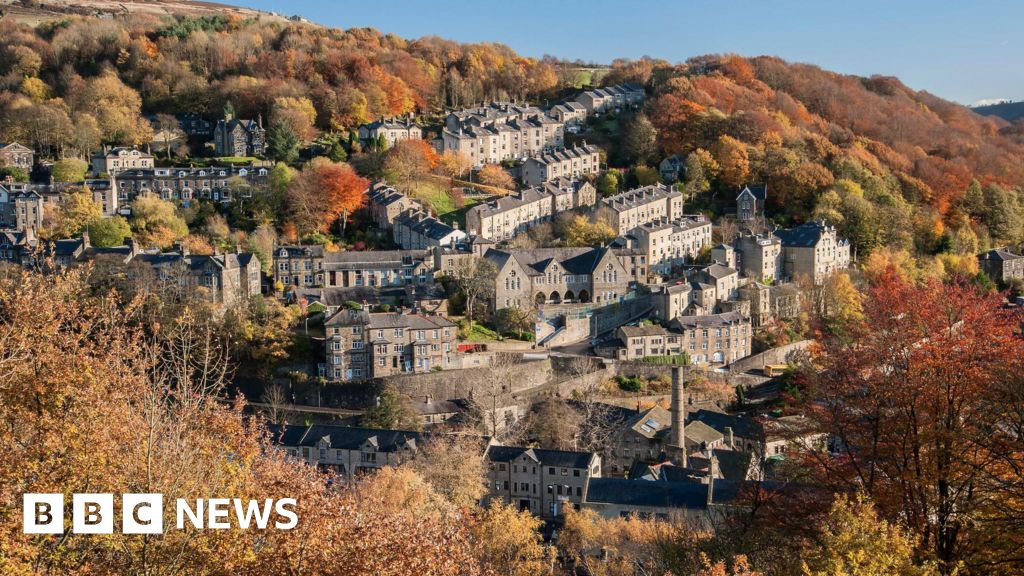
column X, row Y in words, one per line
column 275, row 399
column 475, row 278
column 193, row 359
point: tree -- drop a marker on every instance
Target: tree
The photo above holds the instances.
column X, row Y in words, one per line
column 409, row 161
column 261, row 243
column 282, row 144
column 554, row 424
column 454, row 164
column 106, row 232
column 513, row 320
column 700, row 169
column 156, row 221
column 906, row 393
column 608, row 184
column 297, row 114
column 73, row 215
column 475, row 279
column 731, row 156
column 322, row 193
column 167, row 124
column 392, row 410
column 509, row 540
column 454, row 467
column 639, row 139
column 495, row 175
column 854, row 541
column 578, row 230
column 645, row 175
column 841, row 303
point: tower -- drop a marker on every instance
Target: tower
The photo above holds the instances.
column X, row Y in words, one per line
column 677, row 445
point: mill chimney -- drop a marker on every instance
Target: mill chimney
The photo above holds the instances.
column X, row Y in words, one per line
column 679, row 414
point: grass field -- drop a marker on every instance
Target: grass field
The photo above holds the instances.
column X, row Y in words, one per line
column 438, row 197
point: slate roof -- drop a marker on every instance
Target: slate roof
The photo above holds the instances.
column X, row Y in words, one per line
column 718, row 271
column 386, row 320
column 557, row 156
column 999, row 254
column 638, row 331
column 304, row 251
column 644, row 493
column 353, row 260
column 556, row 458
column 806, row 235
column 342, row 437
column 742, row 426
column 709, row 320
column 640, row 196
column 346, row 317
column 758, row 191
column 573, row 260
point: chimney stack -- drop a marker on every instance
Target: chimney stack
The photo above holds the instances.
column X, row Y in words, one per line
column 679, row 414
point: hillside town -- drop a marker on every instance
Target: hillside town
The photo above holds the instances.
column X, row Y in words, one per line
column 500, row 314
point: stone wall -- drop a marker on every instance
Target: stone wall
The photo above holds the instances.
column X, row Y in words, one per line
column 778, row 355
column 452, row 384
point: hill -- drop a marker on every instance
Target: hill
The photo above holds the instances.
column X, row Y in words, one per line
column 1008, row 111
column 39, row 11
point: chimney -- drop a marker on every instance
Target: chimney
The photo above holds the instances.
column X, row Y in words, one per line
column 729, row 437
column 678, row 411
column 712, row 465
column 428, row 400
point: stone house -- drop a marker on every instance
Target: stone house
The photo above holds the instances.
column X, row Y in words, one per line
column 724, row 279
column 542, row 481
column 759, row 257
column 394, row 130
column 416, row 229
column 237, row 137
column 715, row 339
column 750, row 202
column 528, row 278
column 377, row 268
column 119, row 159
column 570, row 113
column 668, row 244
column 507, row 216
column 569, row 163
column 14, row 155
column 361, row 345
column 671, row 169
column 770, row 302
column 187, row 183
column 346, row 451
column 634, row 208
column 1001, row 265
column 500, row 131
column 299, row 266
column 813, row 250
column 601, row 100
column 386, row 204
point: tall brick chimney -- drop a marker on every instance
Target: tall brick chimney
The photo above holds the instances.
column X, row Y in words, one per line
column 678, row 437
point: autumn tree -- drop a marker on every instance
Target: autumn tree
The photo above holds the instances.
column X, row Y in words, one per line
column 69, row 170
column 106, row 232
column 156, row 222
column 495, row 175
column 510, row 541
column 322, row 193
column 731, row 156
column 454, row 467
column 854, row 541
column 409, row 161
column 906, row 394
column 73, row 215
column 608, row 184
column 454, row 164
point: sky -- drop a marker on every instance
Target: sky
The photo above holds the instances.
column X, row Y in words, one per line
column 962, row 50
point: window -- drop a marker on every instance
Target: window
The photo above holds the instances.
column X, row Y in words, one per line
column 565, row 471
column 576, row 473
column 551, row 471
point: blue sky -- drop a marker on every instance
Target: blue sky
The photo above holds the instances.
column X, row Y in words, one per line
column 958, row 49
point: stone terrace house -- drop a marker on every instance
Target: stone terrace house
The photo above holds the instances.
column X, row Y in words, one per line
column 362, row 345
column 770, row 302
column 16, row 246
column 377, row 268
column 187, row 183
column 504, row 217
column 346, row 451
column 299, row 266
column 14, row 155
column 417, row 229
column 698, row 504
column 394, row 130
column 237, row 137
column 634, row 208
column 642, row 341
column 500, row 131
column 541, row 481
column 667, row 244
column 601, row 100
column 570, row 113
column 759, row 257
column 387, row 203
column 119, row 159
column 1001, row 265
column 714, row 338
column 558, row 275
column 226, row 279
column 646, row 436
column 568, row 163
column 813, row 250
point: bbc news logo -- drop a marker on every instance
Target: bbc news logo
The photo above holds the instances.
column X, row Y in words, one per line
column 144, row 513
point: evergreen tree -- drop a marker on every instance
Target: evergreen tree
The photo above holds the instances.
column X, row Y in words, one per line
column 282, row 144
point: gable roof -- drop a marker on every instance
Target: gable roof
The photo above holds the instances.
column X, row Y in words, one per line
column 647, row 494
column 343, row 437
column 556, row 458
column 757, row 191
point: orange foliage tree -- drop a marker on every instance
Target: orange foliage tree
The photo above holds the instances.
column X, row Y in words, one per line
column 924, row 404
column 322, row 192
